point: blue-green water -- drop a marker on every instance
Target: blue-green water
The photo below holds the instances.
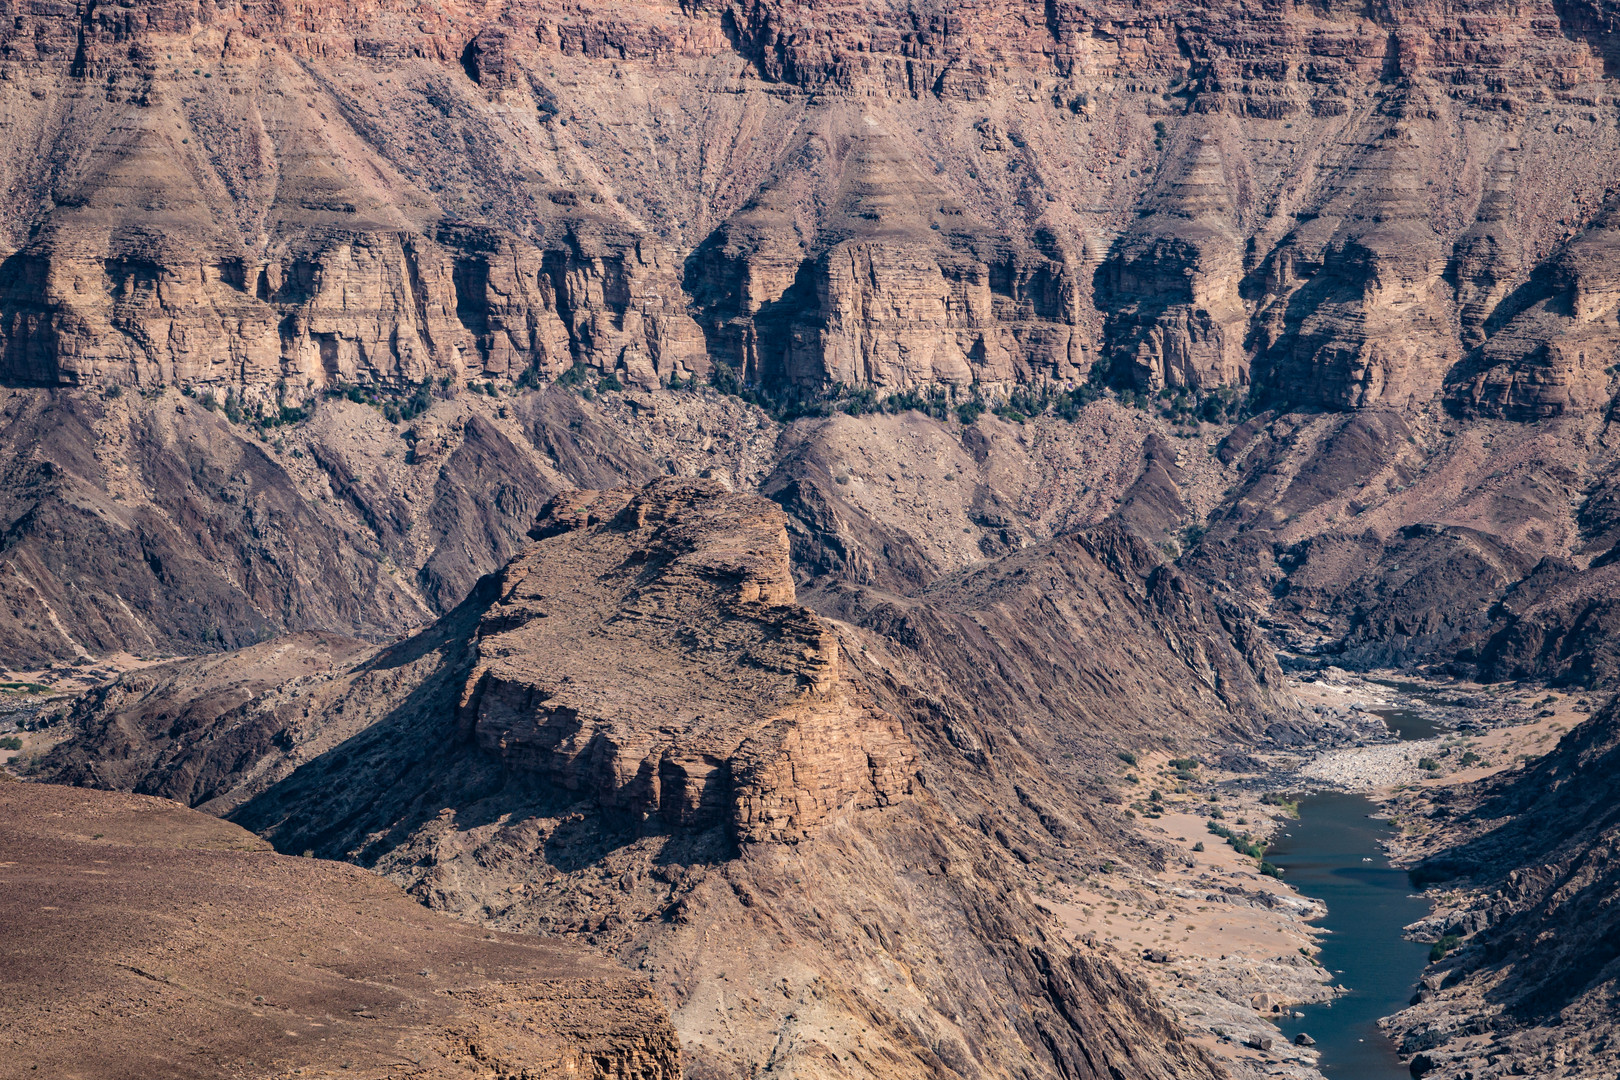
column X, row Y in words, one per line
column 1408, row 724
column 1332, row 854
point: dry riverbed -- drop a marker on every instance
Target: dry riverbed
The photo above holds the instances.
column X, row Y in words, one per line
column 1227, row 947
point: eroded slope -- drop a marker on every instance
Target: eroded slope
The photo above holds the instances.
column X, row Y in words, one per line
column 635, row 735
column 145, row 939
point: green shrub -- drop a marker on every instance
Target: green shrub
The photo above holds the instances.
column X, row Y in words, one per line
column 10, row 742
column 1287, row 805
column 1428, row 764
column 1127, row 757
column 1242, row 843
column 1439, row 949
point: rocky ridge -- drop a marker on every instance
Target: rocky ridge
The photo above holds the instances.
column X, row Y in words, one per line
column 637, row 737
column 771, row 740
column 1524, row 861
column 1387, row 230
column 1398, row 216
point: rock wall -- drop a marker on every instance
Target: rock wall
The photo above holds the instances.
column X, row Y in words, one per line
column 636, row 737
column 1528, row 857
column 1339, row 207
column 764, row 734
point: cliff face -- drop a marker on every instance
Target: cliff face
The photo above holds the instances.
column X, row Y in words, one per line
column 757, row 729
column 154, row 940
column 1344, row 207
column 636, row 735
column 808, row 738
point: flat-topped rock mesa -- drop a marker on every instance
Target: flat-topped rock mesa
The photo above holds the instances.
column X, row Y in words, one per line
column 152, row 940
column 1346, row 208
column 647, row 651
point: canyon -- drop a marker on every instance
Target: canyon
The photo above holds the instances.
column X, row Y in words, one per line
column 635, row 736
column 728, row 484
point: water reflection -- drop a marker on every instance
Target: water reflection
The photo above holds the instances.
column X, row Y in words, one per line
column 1332, row 854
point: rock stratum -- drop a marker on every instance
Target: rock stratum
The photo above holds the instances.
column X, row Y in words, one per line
column 146, row 939
column 998, row 373
column 1344, row 207
column 807, row 833
column 1371, row 227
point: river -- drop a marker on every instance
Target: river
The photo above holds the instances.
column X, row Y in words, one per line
column 1331, row 853
column 1408, row 724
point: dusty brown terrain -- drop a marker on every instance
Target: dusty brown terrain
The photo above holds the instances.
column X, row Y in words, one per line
column 1399, row 215
column 1221, row 945
column 636, row 736
column 144, row 939
column 1515, row 854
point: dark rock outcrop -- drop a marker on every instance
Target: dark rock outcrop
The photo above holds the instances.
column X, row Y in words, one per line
column 1536, row 976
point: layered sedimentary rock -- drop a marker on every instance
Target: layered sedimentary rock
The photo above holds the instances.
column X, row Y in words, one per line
column 757, row 728
column 1346, row 201
column 1355, row 311
column 158, row 524
column 154, row 524
column 1555, row 349
column 804, row 831
column 154, row 940
column 243, row 230
column 896, row 284
column 1171, row 287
